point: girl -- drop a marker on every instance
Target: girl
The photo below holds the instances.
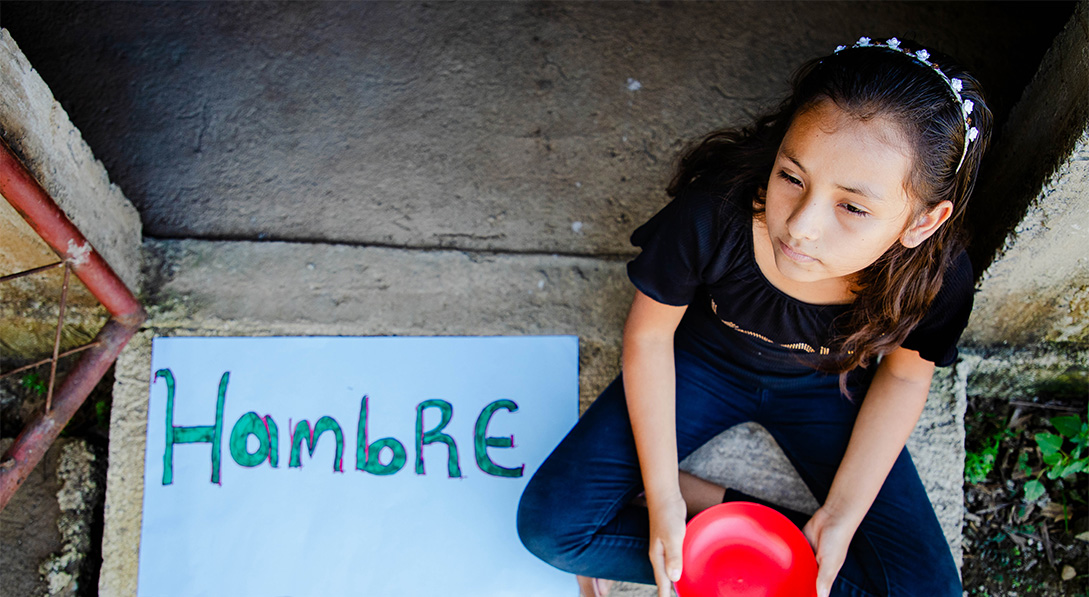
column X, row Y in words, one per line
column 808, row 276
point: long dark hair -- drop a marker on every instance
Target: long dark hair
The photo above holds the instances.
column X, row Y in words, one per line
column 892, row 294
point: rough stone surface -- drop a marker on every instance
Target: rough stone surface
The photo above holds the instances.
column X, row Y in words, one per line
column 1039, row 290
column 207, row 288
column 1041, row 135
column 36, row 127
column 45, row 530
column 506, row 126
column 1006, row 372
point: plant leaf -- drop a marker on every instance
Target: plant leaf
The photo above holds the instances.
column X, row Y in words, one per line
column 1074, row 467
column 1068, row 426
column 1053, row 459
column 1033, row 490
column 1049, row 443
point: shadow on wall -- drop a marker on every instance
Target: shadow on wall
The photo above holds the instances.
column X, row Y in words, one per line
column 522, row 127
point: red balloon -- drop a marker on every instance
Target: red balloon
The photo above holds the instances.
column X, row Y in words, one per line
column 744, row 549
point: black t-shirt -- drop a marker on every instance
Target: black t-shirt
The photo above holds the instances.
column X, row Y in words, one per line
column 698, row 251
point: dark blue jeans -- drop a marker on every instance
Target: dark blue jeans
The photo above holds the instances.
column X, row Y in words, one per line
column 576, row 513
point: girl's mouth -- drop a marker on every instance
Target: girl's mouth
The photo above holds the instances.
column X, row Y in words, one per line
column 795, row 255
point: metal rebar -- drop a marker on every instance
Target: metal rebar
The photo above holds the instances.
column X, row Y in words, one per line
column 57, row 338
column 30, row 271
column 1047, row 406
column 44, row 361
column 19, row 187
column 36, row 437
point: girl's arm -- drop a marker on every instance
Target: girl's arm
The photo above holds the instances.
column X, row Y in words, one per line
column 888, row 414
column 650, row 388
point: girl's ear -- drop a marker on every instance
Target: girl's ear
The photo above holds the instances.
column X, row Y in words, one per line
column 926, row 224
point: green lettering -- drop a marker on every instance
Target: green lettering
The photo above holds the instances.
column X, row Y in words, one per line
column 212, row 434
column 436, row 435
column 481, row 442
column 368, row 455
column 252, row 424
column 310, row 437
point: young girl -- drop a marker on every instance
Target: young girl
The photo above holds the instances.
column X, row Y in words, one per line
column 808, row 276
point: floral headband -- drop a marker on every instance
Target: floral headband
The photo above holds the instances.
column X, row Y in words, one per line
column 955, row 85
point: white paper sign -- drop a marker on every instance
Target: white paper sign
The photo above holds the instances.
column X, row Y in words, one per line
column 335, row 466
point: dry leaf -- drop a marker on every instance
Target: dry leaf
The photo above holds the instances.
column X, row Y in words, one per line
column 1054, row 511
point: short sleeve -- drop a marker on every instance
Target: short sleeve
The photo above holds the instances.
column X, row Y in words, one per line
column 936, row 335
column 678, row 244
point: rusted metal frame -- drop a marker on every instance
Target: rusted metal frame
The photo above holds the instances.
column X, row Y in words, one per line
column 57, row 338
column 28, row 272
column 47, row 361
column 28, row 198
column 53, row 226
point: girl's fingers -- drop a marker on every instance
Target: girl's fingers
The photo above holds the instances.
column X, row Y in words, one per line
column 657, row 562
column 668, row 567
column 824, row 583
column 673, row 560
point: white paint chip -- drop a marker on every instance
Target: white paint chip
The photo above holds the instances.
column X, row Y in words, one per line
column 576, row 227
column 634, row 85
column 78, row 254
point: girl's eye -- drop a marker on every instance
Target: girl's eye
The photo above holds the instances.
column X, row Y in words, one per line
column 790, row 179
column 855, row 210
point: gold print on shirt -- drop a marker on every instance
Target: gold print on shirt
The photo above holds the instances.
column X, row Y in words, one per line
column 796, row 346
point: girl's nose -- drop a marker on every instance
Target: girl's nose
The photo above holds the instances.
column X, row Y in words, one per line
column 804, row 222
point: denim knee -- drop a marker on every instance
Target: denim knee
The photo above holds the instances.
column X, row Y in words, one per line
column 537, row 528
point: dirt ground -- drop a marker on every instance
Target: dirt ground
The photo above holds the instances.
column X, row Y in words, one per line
column 46, row 549
column 1014, row 545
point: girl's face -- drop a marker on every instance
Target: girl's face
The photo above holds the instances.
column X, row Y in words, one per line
column 837, row 198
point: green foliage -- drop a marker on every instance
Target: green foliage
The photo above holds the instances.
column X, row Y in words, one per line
column 34, row 383
column 1034, row 490
column 1064, row 454
column 1073, row 436
column 102, row 413
column 977, row 465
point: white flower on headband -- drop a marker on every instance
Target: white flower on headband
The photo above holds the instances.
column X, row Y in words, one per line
column 955, row 85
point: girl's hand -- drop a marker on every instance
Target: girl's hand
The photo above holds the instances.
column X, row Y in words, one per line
column 829, row 535
column 667, row 528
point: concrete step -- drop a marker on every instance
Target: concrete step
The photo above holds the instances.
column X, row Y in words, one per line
column 274, row 288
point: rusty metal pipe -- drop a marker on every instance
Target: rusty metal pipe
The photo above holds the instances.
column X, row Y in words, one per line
column 39, row 434
column 23, row 192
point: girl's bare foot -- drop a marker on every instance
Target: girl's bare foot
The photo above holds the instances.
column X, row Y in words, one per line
column 594, row 587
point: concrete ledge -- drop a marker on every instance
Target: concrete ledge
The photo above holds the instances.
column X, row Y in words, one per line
column 235, row 288
column 1039, row 290
column 39, row 131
